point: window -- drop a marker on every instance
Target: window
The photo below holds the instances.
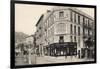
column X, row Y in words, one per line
column 83, row 31
column 79, row 41
column 92, row 24
column 79, row 31
column 45, row 29
column 83, row 20
column 39, row 27
column 71, row 30
column 61, row 39
column 61, row 14
column 71, row 16
column 71, row 39
column 88, row 32
column 74, row 38
column 88, row 23
column 75, row 17
column 40, row 35
column 75, row 30
column 68, row 52
column 79, row 19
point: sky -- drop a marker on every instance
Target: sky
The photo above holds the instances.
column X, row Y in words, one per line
column 26, row 16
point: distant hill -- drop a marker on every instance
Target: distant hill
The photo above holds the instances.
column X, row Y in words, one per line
column 19, row 36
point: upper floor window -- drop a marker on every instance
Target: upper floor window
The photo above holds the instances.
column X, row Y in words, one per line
column 71, row 16
column 74, row 38
column 61, row 14
column 91, row 24
column 39, row 27
column 88, row 22
column 74, row 17
column 79, row 31
column 78, row 19
column 71, row 29
column 40, row 35
column 74, row 29
column 79, row 41
column 88, row 32
column 83, row 20
column 83, row 31
column 71, row 39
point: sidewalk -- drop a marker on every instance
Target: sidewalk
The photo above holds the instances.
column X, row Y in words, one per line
column 49, row 59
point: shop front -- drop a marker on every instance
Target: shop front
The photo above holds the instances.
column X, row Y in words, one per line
column 61, row 49
column 87, row 53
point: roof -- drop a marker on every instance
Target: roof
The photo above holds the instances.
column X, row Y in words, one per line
column 44, row 16
column 82, row 13
column 75, row 10
column 47, row 14
column 39, row 19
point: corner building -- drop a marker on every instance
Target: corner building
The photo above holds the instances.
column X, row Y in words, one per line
column 62, row 31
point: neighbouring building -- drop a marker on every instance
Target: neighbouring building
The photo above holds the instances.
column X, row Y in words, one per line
column 63, row 31
column 25, row 45
column 29, row 39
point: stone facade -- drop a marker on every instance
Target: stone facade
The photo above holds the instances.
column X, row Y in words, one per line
column 66, row 24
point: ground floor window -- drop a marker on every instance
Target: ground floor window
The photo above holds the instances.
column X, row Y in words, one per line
column 61, row 49
column 61, row 39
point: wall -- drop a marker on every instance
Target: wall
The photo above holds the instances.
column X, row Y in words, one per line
column 5, row 34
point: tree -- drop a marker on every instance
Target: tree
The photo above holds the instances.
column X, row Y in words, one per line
column 89, row 42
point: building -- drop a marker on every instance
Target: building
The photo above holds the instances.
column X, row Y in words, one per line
column 29, row 39
column 25, row 45
column 63, row 26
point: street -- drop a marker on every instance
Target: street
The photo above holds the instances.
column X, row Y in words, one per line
column 47, row 60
